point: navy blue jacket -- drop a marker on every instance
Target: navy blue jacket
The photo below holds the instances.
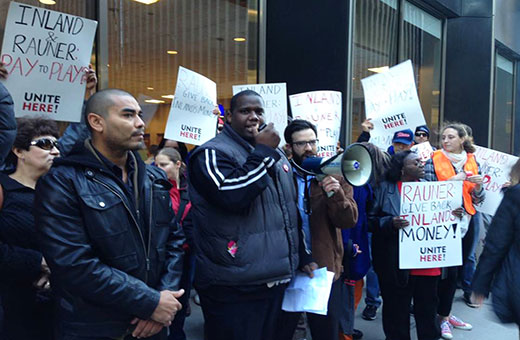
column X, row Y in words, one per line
column 498, row 270
column 244, row 213
column 110, row 252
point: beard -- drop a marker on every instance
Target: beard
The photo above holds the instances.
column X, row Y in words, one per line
column 298, row 159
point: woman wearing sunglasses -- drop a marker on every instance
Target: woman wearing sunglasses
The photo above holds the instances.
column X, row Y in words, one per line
column 25, row 292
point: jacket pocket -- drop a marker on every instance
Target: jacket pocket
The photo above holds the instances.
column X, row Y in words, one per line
column 162, row 208
column 105, row 214
column 125, row 263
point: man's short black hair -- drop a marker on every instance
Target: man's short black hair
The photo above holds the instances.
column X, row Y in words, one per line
column 295, row 126
column 101, row 101
column 234, row 99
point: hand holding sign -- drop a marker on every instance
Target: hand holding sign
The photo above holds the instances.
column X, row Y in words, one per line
column 399, row 222
column 3, row 71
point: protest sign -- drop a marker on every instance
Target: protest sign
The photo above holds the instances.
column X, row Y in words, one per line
column 323, row 109
column 46, row 54
column 391, row 102
column 432, row 239
column 275, row 103
column 495, row 167
column 423, row 150
column 191, row 119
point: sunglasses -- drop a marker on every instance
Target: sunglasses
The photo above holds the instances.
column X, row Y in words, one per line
column 45, row 143
column 421, row 134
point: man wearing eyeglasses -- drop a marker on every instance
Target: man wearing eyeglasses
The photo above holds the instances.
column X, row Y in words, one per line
column 325, row 208
column 107, row 230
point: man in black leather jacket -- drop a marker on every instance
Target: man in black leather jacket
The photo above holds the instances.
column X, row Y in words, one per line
column 107, row 231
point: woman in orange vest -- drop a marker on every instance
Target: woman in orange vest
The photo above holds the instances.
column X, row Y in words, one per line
column 456, row 162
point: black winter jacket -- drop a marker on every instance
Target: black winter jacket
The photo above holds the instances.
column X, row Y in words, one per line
column 7, row 123
column 244, row 213
column 108, row 260
column 498, row 270
column 385, row 238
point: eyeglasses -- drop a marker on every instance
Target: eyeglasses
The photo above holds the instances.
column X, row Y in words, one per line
column 302, row 144
column 421, row 134
column 45, row 143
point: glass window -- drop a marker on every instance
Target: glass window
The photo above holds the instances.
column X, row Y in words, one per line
column 421, row 41
column 503, row 106
column 388, row 32
column 147, row 43
column 375, row 48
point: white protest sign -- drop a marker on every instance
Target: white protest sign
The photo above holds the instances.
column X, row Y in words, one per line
column 495, row 167
column 275, row 103
column 423, row 150
column 323, row 109
column 431, row 240
column 191, row 118
column 391, row 102
column 46, row 54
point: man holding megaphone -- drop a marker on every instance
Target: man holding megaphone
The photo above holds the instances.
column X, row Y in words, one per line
column 325, row 207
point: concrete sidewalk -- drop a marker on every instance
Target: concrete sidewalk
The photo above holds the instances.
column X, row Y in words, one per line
column 485, row 324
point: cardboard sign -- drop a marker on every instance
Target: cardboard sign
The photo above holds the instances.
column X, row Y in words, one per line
column 432, row 239
column 191, row 118
column 46, row 54
column 275, row 103
column 423, row 150
column 323, row 109
column 495, row 167
column 392, row 103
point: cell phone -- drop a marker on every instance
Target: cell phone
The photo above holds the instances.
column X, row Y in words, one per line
column 261, row 127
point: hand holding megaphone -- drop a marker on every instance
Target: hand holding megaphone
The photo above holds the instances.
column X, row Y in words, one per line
column 330, row 185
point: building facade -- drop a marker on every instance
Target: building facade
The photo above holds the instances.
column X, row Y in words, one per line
column 464, row 53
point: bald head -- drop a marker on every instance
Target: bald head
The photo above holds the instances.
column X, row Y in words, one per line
column 101, row 101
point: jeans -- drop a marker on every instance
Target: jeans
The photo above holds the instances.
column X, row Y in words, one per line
column 469, row 245
column 372, row 284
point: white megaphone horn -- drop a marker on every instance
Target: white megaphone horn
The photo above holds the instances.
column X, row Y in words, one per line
column 354, row 164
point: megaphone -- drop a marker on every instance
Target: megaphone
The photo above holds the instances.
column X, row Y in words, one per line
column 354, row 164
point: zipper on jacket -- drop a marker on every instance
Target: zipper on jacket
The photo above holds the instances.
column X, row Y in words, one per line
column 146, row 251
column 150, row 226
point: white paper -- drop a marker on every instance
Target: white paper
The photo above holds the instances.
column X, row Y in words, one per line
column 323, row 109
column 423, row 150
column 275, row 103
column 191, row 119
column 432, row 240
column 309, row 295
column 391, row 101
column 495, row 167
column 46, row 54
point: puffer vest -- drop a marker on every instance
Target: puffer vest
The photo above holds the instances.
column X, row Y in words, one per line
column 265, row 233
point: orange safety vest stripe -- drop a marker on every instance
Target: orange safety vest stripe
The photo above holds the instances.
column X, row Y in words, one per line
column 445, row 170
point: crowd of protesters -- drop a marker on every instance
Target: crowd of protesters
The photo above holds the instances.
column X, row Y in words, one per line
column 97, row 243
